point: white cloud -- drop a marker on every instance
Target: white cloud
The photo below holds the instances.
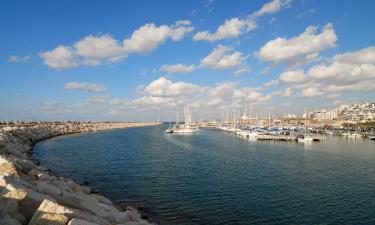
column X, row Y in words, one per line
column 163, row 87
column 15, row 58
column 304, row 47
column 97, row 48
column 230, row 29
column 241, row 70
column 271, row 7
column 287, row 92
column 94, row 50
column 149, row 36
column 295, row 76
column 311, row 92
column 234, row 27
column 223, row 57
column 178, row 68
column 166, row 95
column 270, row 83
column 86, row 86
column 366, row 55
column 351, row 71
column 61, row 57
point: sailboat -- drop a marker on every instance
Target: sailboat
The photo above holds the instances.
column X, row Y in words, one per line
column 187, row 127
column 169, row 130
column 305, row 138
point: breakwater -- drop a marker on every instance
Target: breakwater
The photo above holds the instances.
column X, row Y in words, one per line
column 31, row 194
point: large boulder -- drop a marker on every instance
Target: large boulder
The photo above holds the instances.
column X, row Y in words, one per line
column 43, row 218
column 50, row 213
column 7, row 167
column 46, row 188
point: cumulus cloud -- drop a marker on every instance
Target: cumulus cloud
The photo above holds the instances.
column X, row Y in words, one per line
column 234, row 27
column 311, row 92
column 149, row 36
column 94, row 87
column 163, row 87
column 95, row 50
column 166, row 95
column 351, row 71
column 271, row 7
column 363, row 56
column 61, row 57
column 178, row 68
column 303, row 48
column 287, row 92
column 230, row 29
column 223, row 57
column 295, row 76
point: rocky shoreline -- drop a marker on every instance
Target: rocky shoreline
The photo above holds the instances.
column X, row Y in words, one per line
column 31, row 194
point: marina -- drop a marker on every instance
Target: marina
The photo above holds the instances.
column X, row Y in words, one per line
column 197, row 112
column 217, row 177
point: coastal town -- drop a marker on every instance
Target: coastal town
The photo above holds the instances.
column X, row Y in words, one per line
column 351, row 121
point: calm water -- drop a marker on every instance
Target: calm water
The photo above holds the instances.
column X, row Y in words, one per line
column 215, row 178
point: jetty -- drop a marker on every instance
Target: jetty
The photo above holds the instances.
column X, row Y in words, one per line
column 32, row 194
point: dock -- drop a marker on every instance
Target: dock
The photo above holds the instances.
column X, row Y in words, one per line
column 276, row 138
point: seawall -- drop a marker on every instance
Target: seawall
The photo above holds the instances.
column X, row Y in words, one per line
column 31, row 194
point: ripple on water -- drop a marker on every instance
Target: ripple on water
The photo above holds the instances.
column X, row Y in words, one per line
column 216, row 178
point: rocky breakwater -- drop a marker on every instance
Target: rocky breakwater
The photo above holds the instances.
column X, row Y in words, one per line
column 31, row 194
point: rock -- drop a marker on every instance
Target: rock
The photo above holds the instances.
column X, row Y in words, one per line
column 29, row 204
column 8, row 220
column 18, row 194
column 89, row 217
column 143, row 222
column 7, row 167
column 9, row 204
column 14, row 181
column 46, row 188
column 27, row 164
column 61, row 185
column 53, row 207
column 50, row 213
column 102, row 199
column 76, row 221
column 43, row 218
column 40, row 175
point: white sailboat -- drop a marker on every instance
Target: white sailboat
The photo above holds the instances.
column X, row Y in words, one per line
column 187, row 127
column 305, row 138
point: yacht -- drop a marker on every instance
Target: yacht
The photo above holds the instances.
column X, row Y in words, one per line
column 187, row 128
column 169, row 130
column 305, row 138
column 355, row 135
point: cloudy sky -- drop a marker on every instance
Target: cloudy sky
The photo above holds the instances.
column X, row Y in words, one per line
column 128, row 60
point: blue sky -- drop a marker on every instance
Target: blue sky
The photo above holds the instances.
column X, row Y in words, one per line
column 129, row 59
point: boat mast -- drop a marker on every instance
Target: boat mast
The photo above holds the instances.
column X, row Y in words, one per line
column 250, row 112
column 305, row 121
column 269, row 119
column 177, row 119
